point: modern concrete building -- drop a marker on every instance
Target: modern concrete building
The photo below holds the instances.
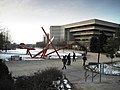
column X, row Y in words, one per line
column 58, row 33
column 84, row 30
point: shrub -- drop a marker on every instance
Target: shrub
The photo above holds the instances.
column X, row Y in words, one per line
column 40, row 80
column 6, row 84
column 6, row 80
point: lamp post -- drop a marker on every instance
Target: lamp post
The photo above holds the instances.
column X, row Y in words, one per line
column 101, row 42
column 98, row 50
column 99, row 47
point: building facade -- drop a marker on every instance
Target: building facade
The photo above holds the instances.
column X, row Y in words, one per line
column 57, row 32
column 83, row 31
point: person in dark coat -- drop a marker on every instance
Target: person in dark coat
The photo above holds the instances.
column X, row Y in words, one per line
column 112, row 56
column 69, row 59
column 74, row 56
column 84, row 59
column 64, row 60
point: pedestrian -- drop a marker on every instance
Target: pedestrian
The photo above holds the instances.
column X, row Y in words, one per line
column 69, row 59
column 84, row 59
column 112, row 56
column 74, row 56
column 64, row 60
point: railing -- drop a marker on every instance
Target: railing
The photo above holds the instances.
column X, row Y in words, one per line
column 93, row 71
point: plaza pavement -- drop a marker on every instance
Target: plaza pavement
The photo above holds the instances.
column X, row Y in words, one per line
column 75, row 72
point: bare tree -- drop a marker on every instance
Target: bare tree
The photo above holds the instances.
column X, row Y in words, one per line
column 4, row 39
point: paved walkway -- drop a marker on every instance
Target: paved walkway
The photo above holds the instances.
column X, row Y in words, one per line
column 75, row 72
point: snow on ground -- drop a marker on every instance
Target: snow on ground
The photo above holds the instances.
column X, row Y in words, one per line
column 22, row 53
column 110, row 69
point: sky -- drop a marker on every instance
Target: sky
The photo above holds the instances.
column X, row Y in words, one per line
column 24, row 18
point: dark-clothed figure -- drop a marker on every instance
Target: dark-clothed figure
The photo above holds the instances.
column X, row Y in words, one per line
column 74, row 56
column 64, row 60
column 84, row 59
column 111, row 56
column 69, row 59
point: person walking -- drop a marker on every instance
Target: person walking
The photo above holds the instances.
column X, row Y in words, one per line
column 112, row 56
column 84, row 59
column 69, row 59
column 64, row 60
column 74, row 56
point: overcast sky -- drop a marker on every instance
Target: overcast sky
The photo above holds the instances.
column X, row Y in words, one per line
column 24, row 18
